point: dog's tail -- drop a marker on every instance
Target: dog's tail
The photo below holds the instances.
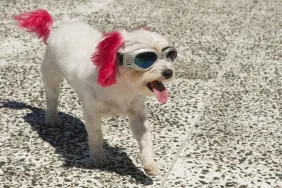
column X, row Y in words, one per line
column 39, row 22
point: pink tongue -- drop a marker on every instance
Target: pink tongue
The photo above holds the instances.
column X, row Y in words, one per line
column 160, row 91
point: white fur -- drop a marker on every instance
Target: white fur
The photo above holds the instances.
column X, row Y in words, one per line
column 68, row 54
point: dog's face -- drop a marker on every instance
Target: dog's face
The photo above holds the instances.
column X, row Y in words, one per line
column 149, row 82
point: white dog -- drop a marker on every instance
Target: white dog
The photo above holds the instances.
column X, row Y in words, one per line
column 112, row 73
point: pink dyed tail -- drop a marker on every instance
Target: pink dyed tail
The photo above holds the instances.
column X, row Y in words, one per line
column 39, row 22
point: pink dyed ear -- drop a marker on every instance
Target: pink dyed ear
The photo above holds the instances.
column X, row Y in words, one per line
column 105, row 58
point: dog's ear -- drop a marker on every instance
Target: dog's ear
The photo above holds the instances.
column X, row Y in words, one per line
column 105, row 58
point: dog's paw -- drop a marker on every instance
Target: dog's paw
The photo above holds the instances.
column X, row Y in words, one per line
column 52, row 121
column 98, row 160
column 151, row 169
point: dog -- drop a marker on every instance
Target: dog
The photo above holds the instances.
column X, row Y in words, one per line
column 112, row 73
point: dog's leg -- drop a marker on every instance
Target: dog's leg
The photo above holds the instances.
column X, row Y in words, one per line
column 141, row 130
column 51, row 79
column 95, row 138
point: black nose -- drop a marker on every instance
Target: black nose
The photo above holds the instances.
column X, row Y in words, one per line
column 167, row 73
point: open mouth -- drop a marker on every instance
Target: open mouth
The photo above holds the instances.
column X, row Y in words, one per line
column 159, row 90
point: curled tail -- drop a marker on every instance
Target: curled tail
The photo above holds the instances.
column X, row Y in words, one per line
column 39, row 22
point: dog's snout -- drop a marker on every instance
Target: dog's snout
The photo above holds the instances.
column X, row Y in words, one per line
column 167, row 73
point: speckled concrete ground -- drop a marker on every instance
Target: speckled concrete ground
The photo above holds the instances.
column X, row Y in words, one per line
column 222, row 126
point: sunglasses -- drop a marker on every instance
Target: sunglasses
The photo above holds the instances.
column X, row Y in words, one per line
column 143, row 59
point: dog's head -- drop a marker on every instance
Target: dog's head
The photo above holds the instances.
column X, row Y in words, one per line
column 141, row 58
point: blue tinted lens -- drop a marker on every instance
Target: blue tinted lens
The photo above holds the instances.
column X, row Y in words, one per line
column 145, row 60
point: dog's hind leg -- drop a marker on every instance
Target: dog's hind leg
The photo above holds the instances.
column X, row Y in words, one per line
column 52, row 79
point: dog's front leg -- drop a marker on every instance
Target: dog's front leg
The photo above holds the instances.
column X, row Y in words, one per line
column 95, row 139
column 141, row 130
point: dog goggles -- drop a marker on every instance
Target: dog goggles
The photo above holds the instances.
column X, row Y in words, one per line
column 143, row 59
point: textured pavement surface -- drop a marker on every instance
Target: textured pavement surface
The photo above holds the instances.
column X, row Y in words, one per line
column 222, row 126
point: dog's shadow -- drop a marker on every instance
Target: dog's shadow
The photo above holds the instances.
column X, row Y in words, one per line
column 70, row 141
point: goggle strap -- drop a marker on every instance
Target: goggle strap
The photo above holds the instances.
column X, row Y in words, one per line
column 120, row 59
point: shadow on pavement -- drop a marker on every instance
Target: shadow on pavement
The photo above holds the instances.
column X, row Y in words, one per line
column 70, row 141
